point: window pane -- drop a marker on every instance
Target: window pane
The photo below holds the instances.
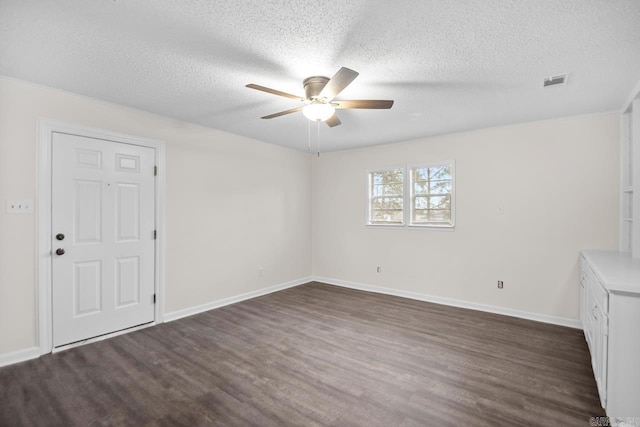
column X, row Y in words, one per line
column 386, row 197
column 388, row 216
column 431, row 216
column 387, row 203
column 420, row 187
column 421, row 203
column 387, row 189
column 387, row 177
column 420, row 174
column 440, row 215
column 431, row 189
column 420, row 216
column 440, row 172
column 439, row 187
column 439, row 202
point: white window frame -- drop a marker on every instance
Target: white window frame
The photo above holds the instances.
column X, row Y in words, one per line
column 404, row 196
column 410, row 196
column 407, row 196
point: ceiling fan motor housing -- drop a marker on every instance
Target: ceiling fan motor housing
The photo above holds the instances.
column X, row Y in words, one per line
column 313, row 86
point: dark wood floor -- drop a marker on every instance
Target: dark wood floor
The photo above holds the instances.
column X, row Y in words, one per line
column 314, row 355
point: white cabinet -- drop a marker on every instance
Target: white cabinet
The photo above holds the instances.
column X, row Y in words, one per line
column 610, row 315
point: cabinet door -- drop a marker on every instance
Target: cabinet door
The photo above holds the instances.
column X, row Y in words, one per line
column 589, row 305
column 583, row 301
column 599, row 352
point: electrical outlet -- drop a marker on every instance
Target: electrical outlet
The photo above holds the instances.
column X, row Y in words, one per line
column 379, row 269
column 19, row 206
column 260, row 271
column 500, row 284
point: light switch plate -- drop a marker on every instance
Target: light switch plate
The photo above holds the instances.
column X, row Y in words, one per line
column 19, row 206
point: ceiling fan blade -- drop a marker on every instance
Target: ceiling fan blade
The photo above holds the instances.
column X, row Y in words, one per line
column 333, row 121
column 338, row 82
column 275, row 92
column 282, row 113
column 374, row 104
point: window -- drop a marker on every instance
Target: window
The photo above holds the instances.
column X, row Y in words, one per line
column 386, row 197
column 428, row 192
column 431, row 192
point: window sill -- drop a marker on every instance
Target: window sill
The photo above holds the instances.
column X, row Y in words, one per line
column 432, row 227
column 385, row 225
column 413, row 227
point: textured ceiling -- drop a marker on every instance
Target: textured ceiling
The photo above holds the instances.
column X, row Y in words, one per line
column 449, row 65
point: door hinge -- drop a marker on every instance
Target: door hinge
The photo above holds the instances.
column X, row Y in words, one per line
column 154, row 298
column 155, row 234
column 155, row 171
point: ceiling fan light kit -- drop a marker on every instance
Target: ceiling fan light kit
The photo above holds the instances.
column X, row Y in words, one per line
column 318, row 111
column 319, row 94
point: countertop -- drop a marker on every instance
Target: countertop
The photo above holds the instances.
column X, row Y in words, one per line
column 617, row 271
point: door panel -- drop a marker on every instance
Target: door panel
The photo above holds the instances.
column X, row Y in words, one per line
column 87, row 200
column 103, row 202
column 87, row 287
column 128, row 212
column 128, row 277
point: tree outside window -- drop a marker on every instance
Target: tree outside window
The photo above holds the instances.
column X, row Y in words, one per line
column 431, row 191
column 386, row 197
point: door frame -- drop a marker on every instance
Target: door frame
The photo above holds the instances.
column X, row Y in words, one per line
column 46, row 128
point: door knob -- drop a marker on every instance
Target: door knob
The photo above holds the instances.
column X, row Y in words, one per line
column 59, row 251
column 60, row 236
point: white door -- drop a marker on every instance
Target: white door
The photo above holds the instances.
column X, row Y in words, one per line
column 102, row 219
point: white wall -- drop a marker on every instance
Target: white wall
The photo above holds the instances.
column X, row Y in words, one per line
column 235, row 204
column 558, row 181
column 232, row 205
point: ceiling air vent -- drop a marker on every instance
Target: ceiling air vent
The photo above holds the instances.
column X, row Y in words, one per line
column 555, row 80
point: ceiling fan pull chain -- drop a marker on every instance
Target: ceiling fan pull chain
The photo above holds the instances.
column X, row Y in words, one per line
column 318, row 141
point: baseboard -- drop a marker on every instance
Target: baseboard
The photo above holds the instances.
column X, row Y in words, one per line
column 562, row 321
column 19, row 356
column 168, row 317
